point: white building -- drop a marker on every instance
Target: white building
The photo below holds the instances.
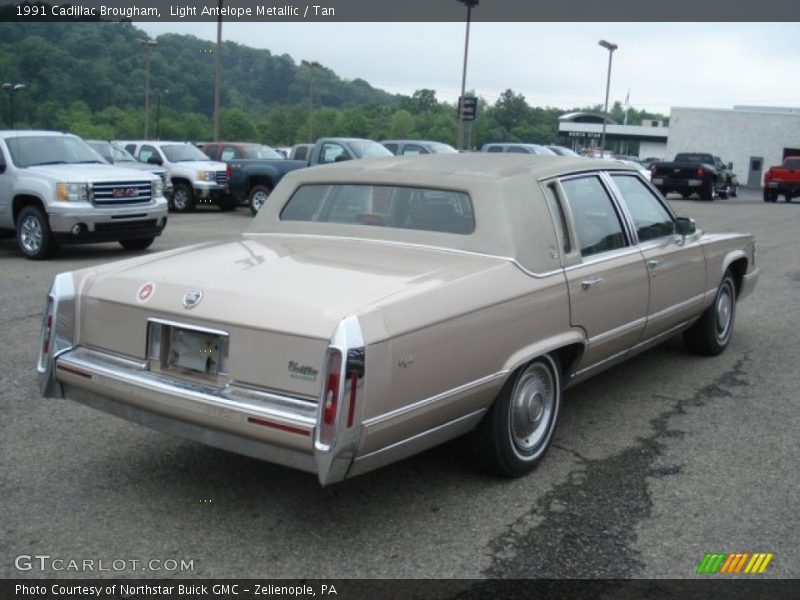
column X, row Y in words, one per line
column 752, row 137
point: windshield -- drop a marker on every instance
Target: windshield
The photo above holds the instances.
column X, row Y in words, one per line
column 693, row 157
column 119, row 154
column 368, row 149
column 30, row 151
column 182, row 153
column 438, row 148
column 260, row 152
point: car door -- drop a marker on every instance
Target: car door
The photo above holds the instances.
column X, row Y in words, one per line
column 607, row 280
column 676, row 264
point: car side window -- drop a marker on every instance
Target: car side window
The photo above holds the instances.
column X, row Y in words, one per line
column 651, row 219
column 209, row 150
column 414, row 149
column 330, row 152
column 517, row 150
column 146, row 152
column 597, row 224
column 131, row 148
column 495, row 149
column 228, row 153
column 391, row 147
column 2, row 162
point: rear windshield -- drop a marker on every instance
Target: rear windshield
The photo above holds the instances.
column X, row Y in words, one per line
column 792, row 163
column 382, row 206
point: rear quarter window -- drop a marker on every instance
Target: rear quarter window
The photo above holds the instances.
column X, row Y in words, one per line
column 397, row 207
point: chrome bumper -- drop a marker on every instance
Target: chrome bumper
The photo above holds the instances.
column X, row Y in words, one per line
column 263, row 425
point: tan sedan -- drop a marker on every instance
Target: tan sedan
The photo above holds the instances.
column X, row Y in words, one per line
column 377, row 308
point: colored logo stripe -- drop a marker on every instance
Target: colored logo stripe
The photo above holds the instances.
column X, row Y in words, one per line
column 724, row 563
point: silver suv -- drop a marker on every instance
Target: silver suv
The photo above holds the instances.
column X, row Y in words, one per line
column 55, row 189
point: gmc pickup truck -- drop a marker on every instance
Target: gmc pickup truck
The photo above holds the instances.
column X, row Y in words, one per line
column 783, row 179
column 254, row 179
column 54, row 189
column 695, row 173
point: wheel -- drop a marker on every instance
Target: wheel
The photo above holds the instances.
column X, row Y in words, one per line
column 182, row 197
column 137, row 244
column 516, row 432
column 787, row 198
column 710, row 335
column 34, row 238
column 685, row 195
column 709, row 191
column 258, row 196
column 734, row 190
column 227, row 203
column 770, row 195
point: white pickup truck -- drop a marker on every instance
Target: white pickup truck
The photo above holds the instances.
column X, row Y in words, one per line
column 54, row 189
column 195, row 178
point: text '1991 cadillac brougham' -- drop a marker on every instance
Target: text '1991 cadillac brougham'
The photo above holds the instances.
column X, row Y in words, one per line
column 377, row 308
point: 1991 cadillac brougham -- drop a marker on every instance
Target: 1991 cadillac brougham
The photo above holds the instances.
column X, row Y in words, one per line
column 377, row 308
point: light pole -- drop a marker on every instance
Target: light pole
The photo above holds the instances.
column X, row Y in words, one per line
column 148, row 45
column 311, row 66
column 469, row 4
column 158, row 112
column 11, row 89
column 217, row 72
column 610, row 47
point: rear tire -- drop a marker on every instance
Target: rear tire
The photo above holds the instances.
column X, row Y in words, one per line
column 34, row 238
column 258, row 197
column 710, row 335
column 137, row 244
column 709, row 191
column 183, row 198
column 770, row 195
column 518, row 429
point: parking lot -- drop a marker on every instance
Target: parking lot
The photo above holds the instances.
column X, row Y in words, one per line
column 655, row 463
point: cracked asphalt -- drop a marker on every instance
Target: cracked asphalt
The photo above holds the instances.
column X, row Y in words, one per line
column 655, row 462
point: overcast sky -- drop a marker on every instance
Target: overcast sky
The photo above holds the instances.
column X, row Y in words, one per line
column 713, row 65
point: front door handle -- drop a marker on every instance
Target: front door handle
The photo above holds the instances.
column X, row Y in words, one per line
column 589, row 283
column 653, row 263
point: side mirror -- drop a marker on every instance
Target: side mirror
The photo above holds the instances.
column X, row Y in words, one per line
column 154, row 159
column 684, row 226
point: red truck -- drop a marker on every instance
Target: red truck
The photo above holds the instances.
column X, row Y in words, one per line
column 784, row 179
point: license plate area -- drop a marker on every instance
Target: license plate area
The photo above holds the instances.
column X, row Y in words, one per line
column 187, row 351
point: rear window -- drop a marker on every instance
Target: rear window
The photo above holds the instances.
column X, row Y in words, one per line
column 423, row 209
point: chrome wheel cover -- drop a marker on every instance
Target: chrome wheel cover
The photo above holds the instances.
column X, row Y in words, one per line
column 180, row 198
column 724, row 310
column 258, row 200
column 533, row 406
column 31, row 234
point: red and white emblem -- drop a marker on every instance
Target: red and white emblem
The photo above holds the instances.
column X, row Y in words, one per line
column 144, row 293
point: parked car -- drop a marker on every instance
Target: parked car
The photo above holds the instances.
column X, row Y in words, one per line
column 254, row 170
column 114, row 154
column 783, row 179
column 300, row 152
column 403, row 147
column 518, row 149
column 695, row 173
column 54, row 189
column 316, row 340
column 195, row 178
column 648, row 161
column 561, row 150
column 338, row 149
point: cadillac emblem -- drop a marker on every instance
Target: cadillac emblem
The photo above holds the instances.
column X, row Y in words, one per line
column 192, row 299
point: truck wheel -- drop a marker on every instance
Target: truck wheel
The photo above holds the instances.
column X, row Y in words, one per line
column 33, row 234
column 516, row 432
column 182, row 198
column 227, row 202
column 137, row 244
column 734, row 190
column 709, row 191
column 770, row 195
column 685, row 195
column 258, row 197
column 710, row 335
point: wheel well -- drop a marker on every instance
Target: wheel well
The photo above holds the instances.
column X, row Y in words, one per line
column 568, row 357
column 258, row 180
column 21, row 202
column 738, row 268
column 181, row 180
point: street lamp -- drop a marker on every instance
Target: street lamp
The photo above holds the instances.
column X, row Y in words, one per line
column 10, row 89
column 610, row 47
column 311, row 66
column 148, row 45
column 158, row 111
column 217, row 71
column 469, row 4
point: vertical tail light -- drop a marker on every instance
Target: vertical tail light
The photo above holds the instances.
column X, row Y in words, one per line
column 227, row 171
column 701, row 172
column 58, row 331
column 654, row 169
column 47, row 331
column 330, row 396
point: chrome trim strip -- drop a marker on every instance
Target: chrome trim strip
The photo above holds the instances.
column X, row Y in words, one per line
column 438, row 397
column 180, row 325
column 417, row 443
column 510, row 259
column 676, row 307
column 604, row 257
column 617, row 330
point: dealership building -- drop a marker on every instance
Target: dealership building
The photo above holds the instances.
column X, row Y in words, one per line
column 753, row 138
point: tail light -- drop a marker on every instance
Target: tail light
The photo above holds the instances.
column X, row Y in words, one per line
column 47, row 331
column 227, row 171
column 654, row 169
column 701, row 172
column 330, row 396
column 57, row 334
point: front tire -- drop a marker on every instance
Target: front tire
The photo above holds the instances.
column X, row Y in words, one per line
column 710, row 335
column 518, row 429
column 137, row 244
column 183, row 198
column 258, row 197
column 34, row 238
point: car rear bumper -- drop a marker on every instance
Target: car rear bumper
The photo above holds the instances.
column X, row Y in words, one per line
column 255, row 423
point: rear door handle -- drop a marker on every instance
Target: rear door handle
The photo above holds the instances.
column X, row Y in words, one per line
column 589, row 283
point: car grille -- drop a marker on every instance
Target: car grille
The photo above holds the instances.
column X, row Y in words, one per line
column 146, row 224
column 222, row 177
column 119, row 193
